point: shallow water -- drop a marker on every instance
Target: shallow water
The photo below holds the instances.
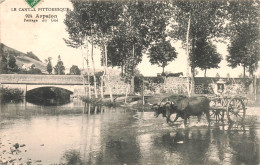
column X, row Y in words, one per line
column 74, row 133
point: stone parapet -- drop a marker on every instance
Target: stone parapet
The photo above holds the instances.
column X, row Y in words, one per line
column 41, row 79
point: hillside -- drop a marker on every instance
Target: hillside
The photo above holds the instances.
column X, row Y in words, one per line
column 22, row 58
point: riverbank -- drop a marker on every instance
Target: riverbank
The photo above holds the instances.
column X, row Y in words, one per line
column 11, row 95
column 132, row 101
column 136, row 102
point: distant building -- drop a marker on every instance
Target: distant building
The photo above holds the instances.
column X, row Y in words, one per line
column 28, row 67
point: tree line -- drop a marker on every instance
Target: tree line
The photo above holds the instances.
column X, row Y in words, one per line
column 125, row 30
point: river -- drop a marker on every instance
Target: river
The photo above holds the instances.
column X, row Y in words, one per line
column 78, row 134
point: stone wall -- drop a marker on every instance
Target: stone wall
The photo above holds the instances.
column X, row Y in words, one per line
column 117, row 85
column 176, row 85
column 233, row 86
column 203, row 85
column 170, row 85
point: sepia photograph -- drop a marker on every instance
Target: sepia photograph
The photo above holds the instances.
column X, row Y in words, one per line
column 129, row 82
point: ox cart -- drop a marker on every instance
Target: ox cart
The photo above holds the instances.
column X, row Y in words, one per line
column 218, row 105
column 233, row 106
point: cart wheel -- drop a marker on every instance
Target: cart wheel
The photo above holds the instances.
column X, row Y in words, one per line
column 218, row 115
column 236, row 110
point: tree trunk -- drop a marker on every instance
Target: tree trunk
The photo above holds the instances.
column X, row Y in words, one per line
column 188, row 58
column 255, row 87
column 133, row 76
column 192, row 69
column 126, row 93
column 143, row 101
column 163, row 70
column 192, row 81
column 82, row 73
column 101, row 86
column 122, row 70
column 244, row 67
column 94, row 72
column 110, row 91
column 87, row 61
column 104, row 73
column 205, row 73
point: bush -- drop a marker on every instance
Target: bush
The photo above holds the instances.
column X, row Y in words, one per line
column 11, row 95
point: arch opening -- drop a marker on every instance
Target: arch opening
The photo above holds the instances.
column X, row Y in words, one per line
column 48, row 96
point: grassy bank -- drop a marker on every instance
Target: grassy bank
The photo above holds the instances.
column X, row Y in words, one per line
column 133, row 102
column 99, row 101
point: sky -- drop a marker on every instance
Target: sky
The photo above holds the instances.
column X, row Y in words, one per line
column 45, row 39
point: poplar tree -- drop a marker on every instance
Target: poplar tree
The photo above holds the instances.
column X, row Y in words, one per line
column 243, row 33
column 194, row 21
column 59, row 67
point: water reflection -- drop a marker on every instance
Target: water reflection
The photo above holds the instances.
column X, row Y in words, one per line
column 78, row 133
column 71, row 157
column 215, row 145
column 48, row 96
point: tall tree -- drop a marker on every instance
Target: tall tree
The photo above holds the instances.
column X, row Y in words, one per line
column 92, row 20
column 141, row 23
column 12, row 66
column 162, row 53
column 49, row 65
column 78, row 38
column 59, row 67
column 243, row 32
column 205, row 55
column 196, row 20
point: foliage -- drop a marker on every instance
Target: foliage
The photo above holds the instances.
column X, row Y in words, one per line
column 93, row 22
column 12, row 63
column 89, row 19
column 141, row 23
column 49, row 65
column 3, row 64
column 162, row 53
column 8, row 95
column 206, row 22
column 205, row 55
column 59, row 67
column 98, row 78
column 31, row 71
column 74, row 70
column 243, row 32
column 7, row 63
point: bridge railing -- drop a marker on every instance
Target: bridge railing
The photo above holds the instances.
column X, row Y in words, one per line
column 40, row 79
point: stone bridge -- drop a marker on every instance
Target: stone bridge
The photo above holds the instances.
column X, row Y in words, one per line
column 27, row 82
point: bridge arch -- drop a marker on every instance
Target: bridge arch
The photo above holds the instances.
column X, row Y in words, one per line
column 67, row 87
